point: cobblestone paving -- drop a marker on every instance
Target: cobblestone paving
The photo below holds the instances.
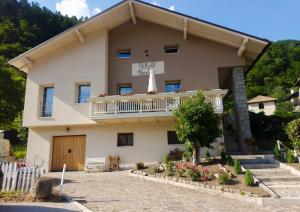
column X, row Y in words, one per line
column 119, row 192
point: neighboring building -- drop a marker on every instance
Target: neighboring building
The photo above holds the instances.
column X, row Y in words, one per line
column 86, row 90
column 294, row 97
column 264, row 104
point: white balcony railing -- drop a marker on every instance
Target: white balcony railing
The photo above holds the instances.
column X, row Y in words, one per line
column 139, row 105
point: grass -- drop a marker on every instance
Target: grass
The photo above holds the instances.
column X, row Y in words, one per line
column 19, row 151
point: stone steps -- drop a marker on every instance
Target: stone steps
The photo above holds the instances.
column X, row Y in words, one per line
column 260, row 166
column 280, row 180
column 271, row 171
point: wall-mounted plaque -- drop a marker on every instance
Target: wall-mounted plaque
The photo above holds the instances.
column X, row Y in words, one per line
column 140, row 69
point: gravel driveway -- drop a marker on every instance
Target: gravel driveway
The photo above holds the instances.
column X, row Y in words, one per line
column 116, row 191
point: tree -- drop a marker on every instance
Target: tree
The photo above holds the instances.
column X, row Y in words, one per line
column 198, row 126
column 22, row 132
column 23, row 25
column 293, row 131
column 284, row 109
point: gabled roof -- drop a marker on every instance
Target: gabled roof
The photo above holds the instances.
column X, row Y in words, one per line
column 261, row 98
column 247, row 45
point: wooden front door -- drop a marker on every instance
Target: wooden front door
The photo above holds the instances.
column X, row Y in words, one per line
column 69, row 150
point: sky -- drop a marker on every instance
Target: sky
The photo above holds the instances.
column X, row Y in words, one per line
column 270, row 19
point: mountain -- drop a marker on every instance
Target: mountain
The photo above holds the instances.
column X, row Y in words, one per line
column 276, row 72
column 23, row 25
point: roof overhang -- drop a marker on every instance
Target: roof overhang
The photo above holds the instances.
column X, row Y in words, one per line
column 248, row 46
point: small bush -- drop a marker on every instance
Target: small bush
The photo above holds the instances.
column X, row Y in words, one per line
column 249, row 180
column 139, row 166
column 167, row 159
column 193, row 174
column 158, row 168
column 229, row 161
column 170, row 168
column 207, row 155
column 224, row 179
column 290, row 158
column 237, row 167
column 223, row 156
column 276, row 151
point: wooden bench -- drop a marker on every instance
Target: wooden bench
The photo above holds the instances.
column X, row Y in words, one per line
column 95, row 164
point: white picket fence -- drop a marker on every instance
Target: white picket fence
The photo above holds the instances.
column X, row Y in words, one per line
column 18, row 179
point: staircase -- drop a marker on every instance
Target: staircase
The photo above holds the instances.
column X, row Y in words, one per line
column 232, row 146
column 280, row 180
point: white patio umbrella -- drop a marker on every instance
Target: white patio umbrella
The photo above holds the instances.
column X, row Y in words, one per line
column 152, row 84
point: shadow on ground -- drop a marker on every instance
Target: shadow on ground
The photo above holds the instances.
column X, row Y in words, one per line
column 28, row 208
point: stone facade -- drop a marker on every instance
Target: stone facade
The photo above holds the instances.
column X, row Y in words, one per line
column 240, row 107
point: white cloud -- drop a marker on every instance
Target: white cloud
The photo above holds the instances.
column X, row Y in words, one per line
column 172, row 7
column 155, row 3
column 76, row 8
column 96, row 10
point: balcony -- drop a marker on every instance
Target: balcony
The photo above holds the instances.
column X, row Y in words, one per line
column 144, row 105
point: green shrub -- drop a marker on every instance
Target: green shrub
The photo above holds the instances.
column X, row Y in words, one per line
column 290, row 158
column 229, row 161
column 224, row 179
column 276, row 151
column 19, row 151
column 223, row 156
column 193, row 174
column 249, row 180
column 237, row 167
column 207, row 155
column 170, row 168
column 293, row 131
column 139, row 166
column 167, row 159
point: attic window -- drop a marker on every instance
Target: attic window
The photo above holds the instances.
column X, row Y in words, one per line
column 171, row 49
column 124, row 53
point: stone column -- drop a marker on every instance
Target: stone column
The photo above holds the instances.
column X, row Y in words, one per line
column 240, row 107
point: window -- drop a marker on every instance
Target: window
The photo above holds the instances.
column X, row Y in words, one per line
column 172, row 138
column 124, row 53
column 47, row 102
column 171, row 49
column 173, row 86
column 125, row 89
column 261, row 105
column 83, row 95
column 125, row 139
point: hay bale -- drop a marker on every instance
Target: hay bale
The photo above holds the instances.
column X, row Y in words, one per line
column 42, row 187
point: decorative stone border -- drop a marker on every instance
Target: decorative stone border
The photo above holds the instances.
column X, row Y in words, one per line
column 214, row 190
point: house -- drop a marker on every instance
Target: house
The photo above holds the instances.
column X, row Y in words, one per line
column 86, row 91
column 294, row 97
column 264, row 104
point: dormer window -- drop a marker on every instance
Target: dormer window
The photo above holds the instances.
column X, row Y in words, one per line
column 171, row 49
column 124, row 53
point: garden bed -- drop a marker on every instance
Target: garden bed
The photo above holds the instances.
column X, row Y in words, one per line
column 18, row 197
column 213, row 169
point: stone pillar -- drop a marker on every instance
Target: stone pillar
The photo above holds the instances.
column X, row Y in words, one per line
column 240, row 107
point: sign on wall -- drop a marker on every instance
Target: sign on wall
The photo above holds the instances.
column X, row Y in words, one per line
column 140, row 69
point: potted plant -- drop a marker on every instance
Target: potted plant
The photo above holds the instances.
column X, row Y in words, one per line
column 250, row 143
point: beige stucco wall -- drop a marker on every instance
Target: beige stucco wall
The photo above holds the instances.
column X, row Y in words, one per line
column 150, row 143
column 196, row 65
column 269, row 108
column 75, row 63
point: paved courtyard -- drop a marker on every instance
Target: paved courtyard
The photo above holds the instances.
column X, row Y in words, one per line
column 119, row 192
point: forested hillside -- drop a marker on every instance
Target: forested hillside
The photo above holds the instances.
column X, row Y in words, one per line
column 22, row 26
column 276, row 71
